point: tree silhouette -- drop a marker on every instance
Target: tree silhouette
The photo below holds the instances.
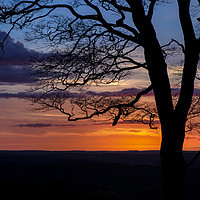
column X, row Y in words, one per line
column 93, row 49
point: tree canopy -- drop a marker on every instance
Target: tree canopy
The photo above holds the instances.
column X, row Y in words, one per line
column 94, row 43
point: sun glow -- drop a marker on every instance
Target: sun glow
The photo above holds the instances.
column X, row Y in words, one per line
column 22, row 129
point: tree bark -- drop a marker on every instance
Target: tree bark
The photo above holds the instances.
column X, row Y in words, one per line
column 172, row 159
column 173, row 175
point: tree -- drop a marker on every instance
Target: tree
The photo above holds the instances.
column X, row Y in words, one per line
column 94, row 49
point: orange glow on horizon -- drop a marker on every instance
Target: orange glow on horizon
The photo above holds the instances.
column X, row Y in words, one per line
column 25, row 130
column 101, row 138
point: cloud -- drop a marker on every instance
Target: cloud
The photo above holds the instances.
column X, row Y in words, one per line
column 134, row 131
column 42, row 125
column 13, row 52
column 124, row 92
column 127, row 91
column 12, row 63
column 12, row 74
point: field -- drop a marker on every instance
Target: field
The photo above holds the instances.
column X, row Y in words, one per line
column 80, row 175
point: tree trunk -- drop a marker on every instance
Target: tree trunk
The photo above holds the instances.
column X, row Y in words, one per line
column 173, row 174
column 172, row 119
column 172, row 161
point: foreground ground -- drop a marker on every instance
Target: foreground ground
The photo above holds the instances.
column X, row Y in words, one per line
column 87, row 175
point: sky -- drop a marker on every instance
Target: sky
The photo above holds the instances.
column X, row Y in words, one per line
column 21, row 128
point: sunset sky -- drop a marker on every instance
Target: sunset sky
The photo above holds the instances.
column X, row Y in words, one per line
column 24, row 129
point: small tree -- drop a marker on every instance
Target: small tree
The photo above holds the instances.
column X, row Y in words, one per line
column 92, row 48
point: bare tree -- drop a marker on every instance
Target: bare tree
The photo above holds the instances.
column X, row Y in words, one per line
column 94, row 49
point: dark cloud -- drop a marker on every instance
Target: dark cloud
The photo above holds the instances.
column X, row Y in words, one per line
column 13, row 52
column 14, row 56
column 9, row 95
column 130, row 91
column 37, row 125
column 3, row 36
column 134, row 131
column 42, row 125
column 12, row 74
column 2, row 90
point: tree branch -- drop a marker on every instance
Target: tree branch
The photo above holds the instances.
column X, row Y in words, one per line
column 178, row 43
column 35, row 6
column 191, row 60
column 137, row 98
column 151, row 9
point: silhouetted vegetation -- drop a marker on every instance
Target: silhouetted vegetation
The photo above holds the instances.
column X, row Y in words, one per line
column 87, row 48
